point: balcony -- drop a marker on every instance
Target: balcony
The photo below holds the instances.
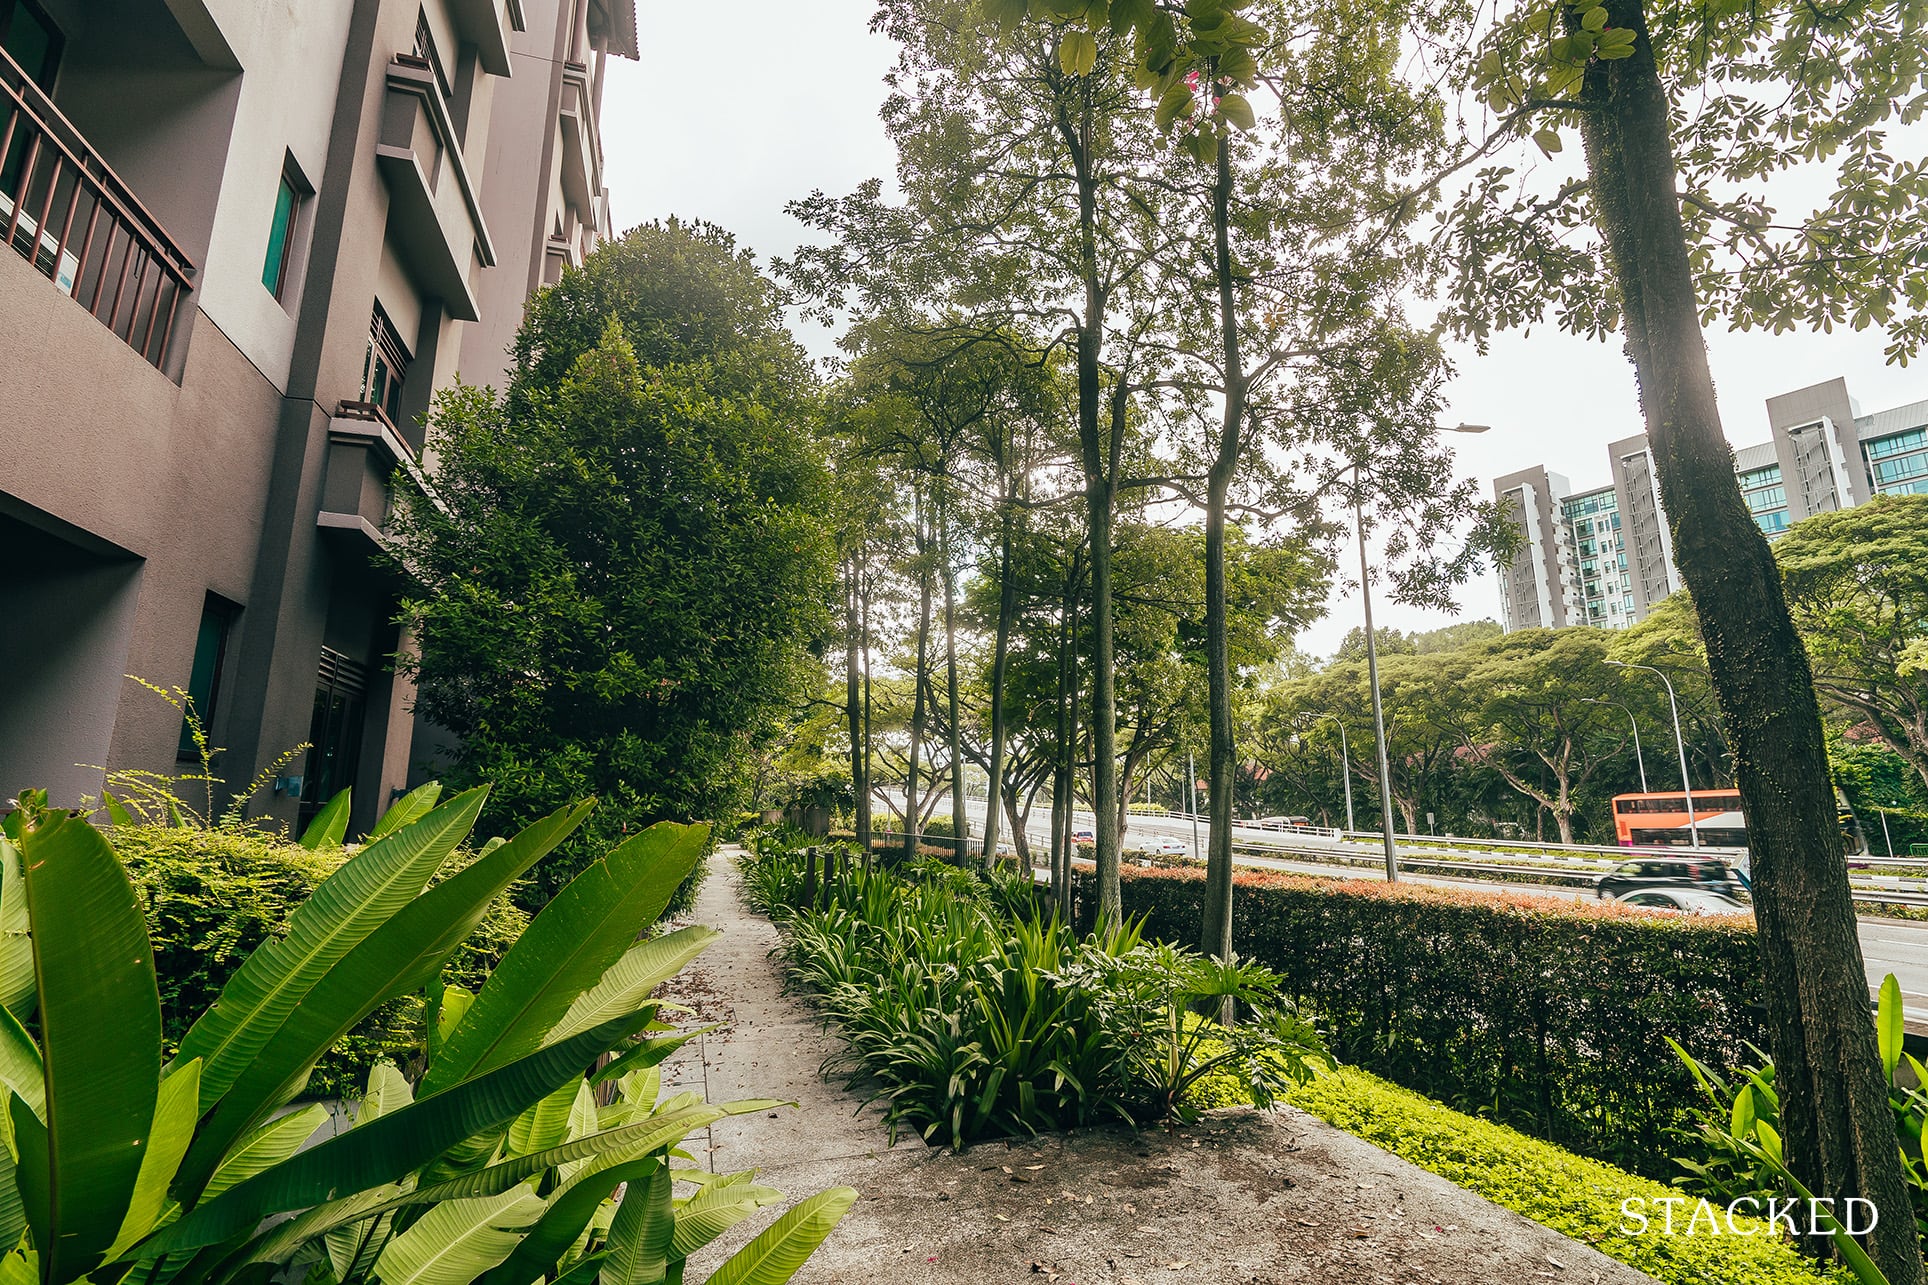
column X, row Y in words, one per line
column 65, row 211
column 364, row 449
column 434, row 214
column 486, row 24
column 581, row 144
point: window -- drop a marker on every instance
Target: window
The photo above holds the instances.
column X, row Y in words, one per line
column 31, row 40
column 281, row 235
column 204, row 679
column 1899, row 442
column 335, row 735
column 1771, row 497
column 1772, row 523
column 385, row 369
column 1901, row 469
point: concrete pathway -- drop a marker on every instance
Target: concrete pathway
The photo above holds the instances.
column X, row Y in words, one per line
column 1239, row 1199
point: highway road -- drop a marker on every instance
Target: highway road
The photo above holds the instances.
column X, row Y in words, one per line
column 1887, row 945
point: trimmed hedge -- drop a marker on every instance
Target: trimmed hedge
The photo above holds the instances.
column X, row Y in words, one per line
column 1574, row 1196
column 1542, row 1013
column 212, row 896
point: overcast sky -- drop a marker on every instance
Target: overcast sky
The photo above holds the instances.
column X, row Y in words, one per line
column 728, row 119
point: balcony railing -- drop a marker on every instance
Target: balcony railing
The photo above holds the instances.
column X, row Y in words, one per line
column 65, row 211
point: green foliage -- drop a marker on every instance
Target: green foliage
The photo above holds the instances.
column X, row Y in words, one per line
column 212, row 897
column 1549, row 1015
column 122, row 1167
column 972, row 1016
column 626, row 565
column 1857, row 583
column 1737, row 1135
column 1577, row 1197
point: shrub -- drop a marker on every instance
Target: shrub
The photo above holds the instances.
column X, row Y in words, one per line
column 973, row 1016
column 212, row 896
column 1548, row 1014
column 1572, row 1195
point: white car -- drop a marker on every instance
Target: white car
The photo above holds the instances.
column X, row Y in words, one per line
column 1683, row 900
column 1167, row 848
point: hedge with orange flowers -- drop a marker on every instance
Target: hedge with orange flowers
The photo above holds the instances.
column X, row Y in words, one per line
column 1543, row 1013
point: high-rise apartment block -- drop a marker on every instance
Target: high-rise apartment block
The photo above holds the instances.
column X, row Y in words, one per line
column 1605, row 557
column 249, row 242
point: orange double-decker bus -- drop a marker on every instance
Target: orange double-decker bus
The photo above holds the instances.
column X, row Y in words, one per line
column 1660, row 820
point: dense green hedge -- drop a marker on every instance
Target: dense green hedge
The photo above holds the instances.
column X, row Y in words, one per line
column 1543, row 1013
column 212, row 896
column 1574, row 1196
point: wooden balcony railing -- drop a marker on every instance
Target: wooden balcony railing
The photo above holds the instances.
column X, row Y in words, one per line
column 64, row 210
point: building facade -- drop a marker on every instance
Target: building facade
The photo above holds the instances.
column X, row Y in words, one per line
column 249, row 243
column 1608, row 560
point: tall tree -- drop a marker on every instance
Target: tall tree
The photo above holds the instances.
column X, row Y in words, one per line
column 626, row 564
column 1857, row 582
column 1685, row 110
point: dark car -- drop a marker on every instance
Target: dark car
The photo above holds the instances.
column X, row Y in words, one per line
column 1707, row 873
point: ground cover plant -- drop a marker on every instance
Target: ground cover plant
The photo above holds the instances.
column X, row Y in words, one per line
column 971, row 1014
column 513, row 1154
column 1573, row 1195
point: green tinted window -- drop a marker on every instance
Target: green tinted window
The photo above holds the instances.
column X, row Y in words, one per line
column 281, row 235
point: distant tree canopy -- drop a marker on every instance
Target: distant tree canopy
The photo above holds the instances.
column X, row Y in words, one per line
column 625, row 568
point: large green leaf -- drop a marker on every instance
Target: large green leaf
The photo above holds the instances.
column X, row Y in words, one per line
column 17, row 991
column 13, row 1209
column 407, row 810
column 20, row 1065
column 570, row 1210
column 566, row 950
column 714, row 1210
column 347, row 906
column 394, row 1145
column 631, row 980
column 786, row 1244
column 1888, row 1025
column 457, row 1240
column 622, row 1144
column 388, row 1090
column 175, row 1112
column 266, row 1147
column 100, row 1033
column 544, row 1125
column 330, row 825
column 639, row 1239
column 400, row 956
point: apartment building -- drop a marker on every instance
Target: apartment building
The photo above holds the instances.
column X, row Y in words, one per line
column 250, row 242
column 1605, row 557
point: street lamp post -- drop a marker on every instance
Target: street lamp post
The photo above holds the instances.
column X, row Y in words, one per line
column 1635, row 725
column 1345, row 762
column 1680, row 748
column 1372, row 664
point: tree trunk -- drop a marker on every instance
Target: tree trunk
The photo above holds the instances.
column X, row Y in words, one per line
column 960, row 818
column 863, row 606
column 1215, row 928
column 1839, row 1131
column 1099, row 478
column 853, row 697
column 1000, row 655
column 913, row 814
column 1063, row 772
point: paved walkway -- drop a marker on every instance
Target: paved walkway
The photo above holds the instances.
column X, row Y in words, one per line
column 1240, row 1199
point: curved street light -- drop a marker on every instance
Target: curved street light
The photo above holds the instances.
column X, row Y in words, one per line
column 1345, row 759
column 1680, row 747
column 1631, row 722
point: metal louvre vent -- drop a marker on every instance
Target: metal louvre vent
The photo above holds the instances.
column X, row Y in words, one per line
column 341, row 673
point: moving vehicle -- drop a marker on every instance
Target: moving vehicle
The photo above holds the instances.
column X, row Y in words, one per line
column 1710, row 874
column 1083, row 836
column 1167, row 848
column 1691, row 901
column 1660, row 820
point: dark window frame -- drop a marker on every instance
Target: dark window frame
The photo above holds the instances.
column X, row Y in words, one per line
column 426, row 50
column 286, row 222
column 56, row 38
column 221, row 614
column 385, row 367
